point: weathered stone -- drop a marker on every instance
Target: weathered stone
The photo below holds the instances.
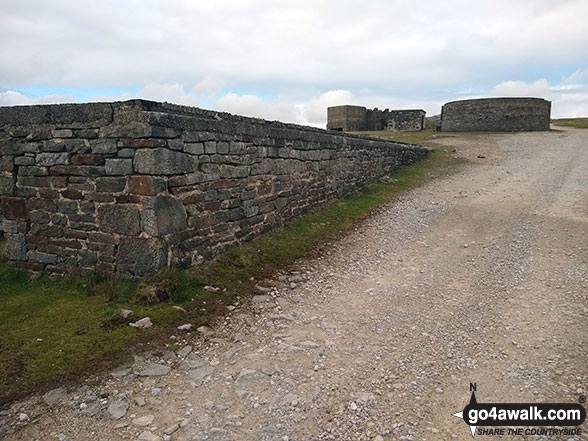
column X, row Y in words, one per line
column 87, row 159
column 118, row 409
column 62, row 133
column 163, row 215
column 199, row 374
column 23, row 160
column 120, row 219
column 250, row 376
column 16, row 247
column 54, row 396
column 27, row 170
column 103, row 146
column 222, row 148
column 144, row 323
column 118, row 166
column 14, row 208
column 144, row 420
column 126, row 153
column 194, row 148
column 7, row 185
column 153, row 370
column 161, row 161
column 49, row 159
column 7, row 162
column 170, row 430
column 137, row 256
column 148, row 436
column 111, row 185
column 45, row 258
column 141, row 185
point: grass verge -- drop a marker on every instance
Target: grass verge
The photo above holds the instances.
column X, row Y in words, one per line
column 55, row 329
column 578, row 123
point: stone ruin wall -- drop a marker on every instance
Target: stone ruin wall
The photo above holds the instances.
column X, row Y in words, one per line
column 398, row 120
column 129, row 187
column 357, row 118
column 496, row 114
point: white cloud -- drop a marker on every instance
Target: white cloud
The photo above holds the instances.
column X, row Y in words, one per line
column 567, row 100
column 170, row 92
column 539, row 88
column 250, row 105
column 14, row 98
column 396, row 46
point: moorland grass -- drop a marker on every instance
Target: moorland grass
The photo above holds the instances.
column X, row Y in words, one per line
column 578, row 123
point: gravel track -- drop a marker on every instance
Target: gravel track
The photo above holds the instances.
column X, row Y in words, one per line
column 480, row 277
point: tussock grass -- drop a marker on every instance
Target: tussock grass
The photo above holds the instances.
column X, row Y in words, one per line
column 578, row 123
column 55, row 329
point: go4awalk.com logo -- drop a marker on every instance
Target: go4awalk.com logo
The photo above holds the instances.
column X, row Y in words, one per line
column 487, row 418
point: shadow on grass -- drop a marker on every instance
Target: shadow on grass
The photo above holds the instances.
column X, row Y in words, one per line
column 53, row 330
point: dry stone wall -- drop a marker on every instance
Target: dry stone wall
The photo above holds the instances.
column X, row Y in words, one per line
column 126, row 188
column 496, row 114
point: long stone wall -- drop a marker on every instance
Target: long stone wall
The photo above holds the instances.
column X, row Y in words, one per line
column 126, row 188
column 496, row 114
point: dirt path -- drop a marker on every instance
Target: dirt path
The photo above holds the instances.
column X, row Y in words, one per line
column 479, row 277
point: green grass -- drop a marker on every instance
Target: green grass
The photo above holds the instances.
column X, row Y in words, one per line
column 55, row 329
column 578, row 123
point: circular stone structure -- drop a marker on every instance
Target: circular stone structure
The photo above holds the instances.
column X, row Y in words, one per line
column 496, row 115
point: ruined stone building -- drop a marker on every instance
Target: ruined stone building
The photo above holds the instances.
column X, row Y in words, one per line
column 358, row 118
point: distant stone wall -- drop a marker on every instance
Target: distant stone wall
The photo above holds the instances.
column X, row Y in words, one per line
column 496, row 114
column 126, row 188
column 405, row 120
column 358, row 118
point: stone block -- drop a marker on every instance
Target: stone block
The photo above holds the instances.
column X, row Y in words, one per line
column 62, row 133
column 58, row 181
column 29, row 170
column 16, row 247
column 111, row 185
column 86, row 259
column 23, row 160
column 34, row 181
column 14, row 208
column 77, row 170
column 210, row 147
column 50, row 159
column 175, row 144
column 87, row 159
column 163, row 162
column 137, row 256
column 67, row 207
column 194, row 148
column 45, row 258
column 7, row 163
column 103, row 146
column 118, row 166
column 222, row 148
column 121, row 219
column 163, row 215
column 142, row 143
column 141, row 185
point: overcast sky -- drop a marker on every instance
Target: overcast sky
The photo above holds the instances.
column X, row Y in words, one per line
column 289, row 60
